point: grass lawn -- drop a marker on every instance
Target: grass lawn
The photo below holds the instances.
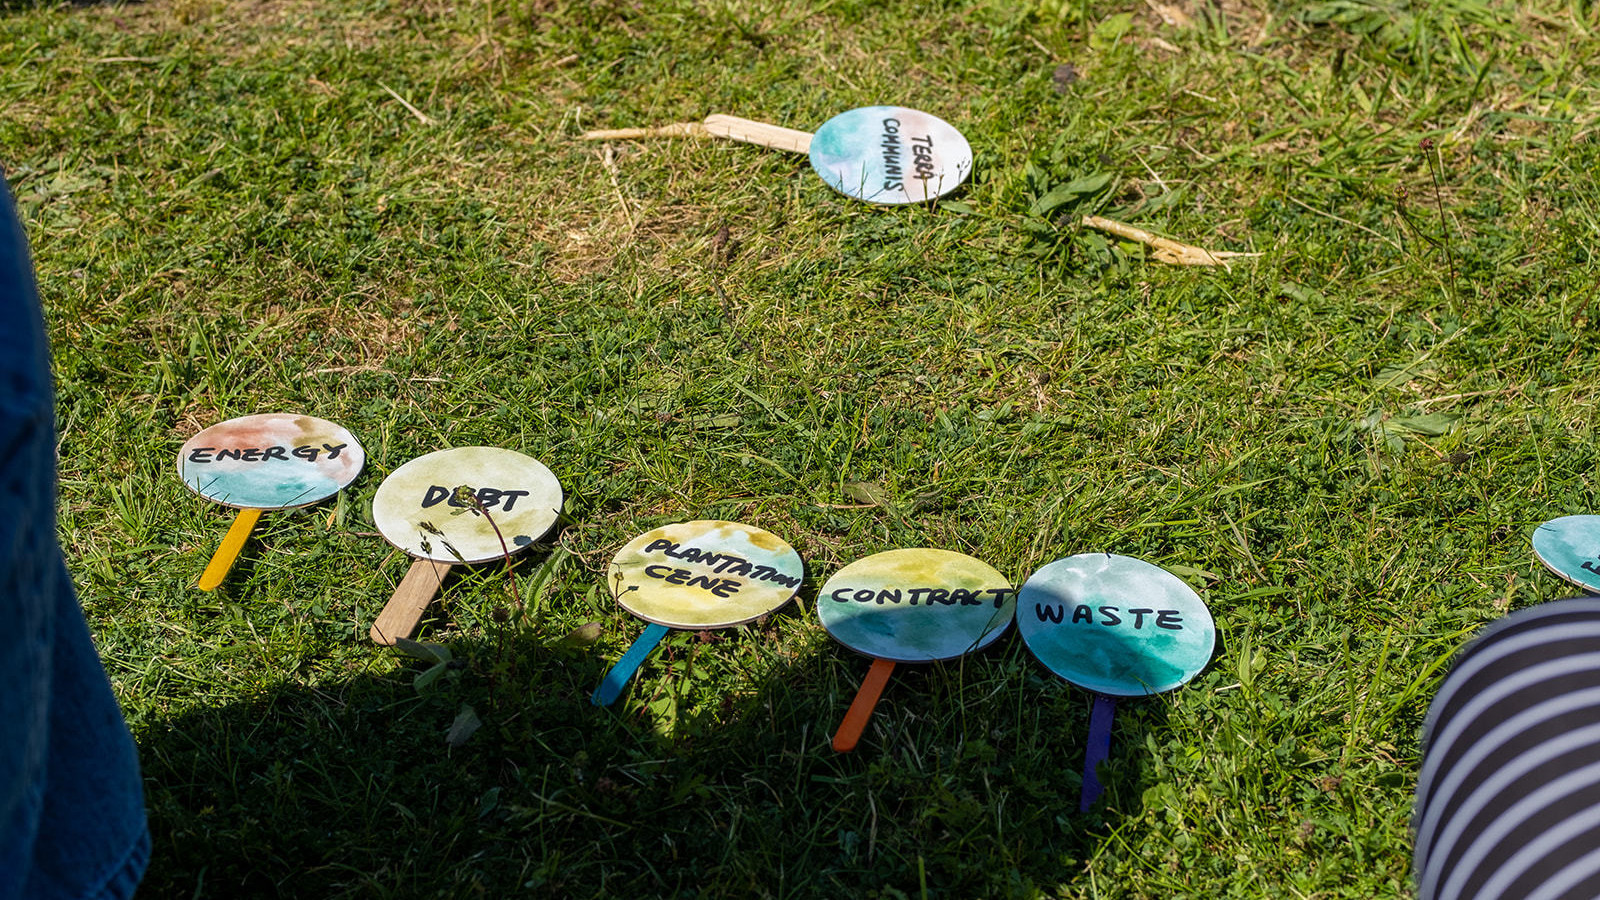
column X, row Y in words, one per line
column 377, row 212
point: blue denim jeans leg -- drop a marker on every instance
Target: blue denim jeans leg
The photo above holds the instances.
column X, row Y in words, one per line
column 72, row 822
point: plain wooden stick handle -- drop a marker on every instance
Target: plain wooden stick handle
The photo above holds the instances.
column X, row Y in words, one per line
column 403, row 613
column 716, row 125
column 676, row 129
column 759, row 133
column 228, row 550
column 855, row 719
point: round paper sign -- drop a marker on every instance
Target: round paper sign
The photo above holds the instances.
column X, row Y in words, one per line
column 917, row 605
column 705, row 574
column 1570, row 547
column 1115, row 625
column 270, row 461
column 890, row 154
column 419, row 509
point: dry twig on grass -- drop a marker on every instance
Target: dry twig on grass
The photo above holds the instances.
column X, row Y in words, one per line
column 1166, row 250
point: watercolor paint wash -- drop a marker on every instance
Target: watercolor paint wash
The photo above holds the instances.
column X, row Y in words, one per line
column 916, row 605
column 420, row 508
column 273, row 461
column 1115, row 625
column 891, row 155
column 1570, row 547
column 705, row 574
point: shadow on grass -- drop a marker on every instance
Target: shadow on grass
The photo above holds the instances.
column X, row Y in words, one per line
column 965, row 785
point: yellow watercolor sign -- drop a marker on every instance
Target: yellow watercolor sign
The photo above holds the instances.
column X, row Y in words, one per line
column 705, row 574
column 422, row 508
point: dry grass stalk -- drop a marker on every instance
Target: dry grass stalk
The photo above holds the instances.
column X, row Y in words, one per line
column 1166, row 250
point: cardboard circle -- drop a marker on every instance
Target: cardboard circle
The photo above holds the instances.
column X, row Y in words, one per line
column 705, row 574
column 890, row 154
column 1570, row 547
column 1115, row 625
column 271, row 461
column 916, row 605
column 417, row 510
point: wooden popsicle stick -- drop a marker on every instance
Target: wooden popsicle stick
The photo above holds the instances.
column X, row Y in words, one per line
column 228, row 550
column 759, row 133
column 716, row 125
column 1100, row 717
column 403, row 613
column 855, row 718
column 611, row 686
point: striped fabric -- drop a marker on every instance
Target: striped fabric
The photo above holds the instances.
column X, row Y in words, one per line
column 1508, row 801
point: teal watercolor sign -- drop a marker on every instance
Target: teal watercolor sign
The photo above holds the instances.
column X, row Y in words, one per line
column 917, row 605
column 275, row 461
column 890, row 154
column 913, row 605
column 1115, row 625
column 1570, row 547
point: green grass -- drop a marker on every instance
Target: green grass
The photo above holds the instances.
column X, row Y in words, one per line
column 1345, row 443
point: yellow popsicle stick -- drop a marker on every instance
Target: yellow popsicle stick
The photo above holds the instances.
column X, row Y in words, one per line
column 228, row 551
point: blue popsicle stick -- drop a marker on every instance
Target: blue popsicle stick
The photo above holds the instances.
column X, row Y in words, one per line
column 617, row 679
column 1100, row 716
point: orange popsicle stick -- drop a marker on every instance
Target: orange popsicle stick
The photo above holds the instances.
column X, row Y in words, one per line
column 855, row 719
column 228, row 551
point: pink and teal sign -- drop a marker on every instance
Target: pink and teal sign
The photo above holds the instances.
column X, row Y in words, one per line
column 272, row 461
column 275, row 461
column 890, row 154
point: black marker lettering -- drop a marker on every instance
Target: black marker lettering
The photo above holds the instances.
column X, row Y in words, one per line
column 1138, row 616
column 1053, row 613
column 1169, row 618
column 1111, row 617
column 703, row 581
column 201, row 454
